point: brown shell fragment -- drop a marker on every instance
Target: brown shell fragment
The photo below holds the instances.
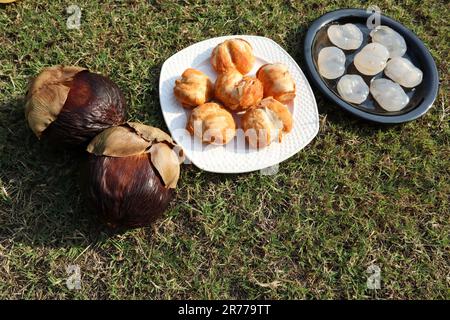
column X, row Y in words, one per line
column 126, row 192
column 46, row 96
column 150, row 133
column 120, row 141
column 69, row 106
column 166, row 163
column 132, row 139
column 94, row 104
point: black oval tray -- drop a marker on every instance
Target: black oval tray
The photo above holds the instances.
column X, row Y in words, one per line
column 421, row 97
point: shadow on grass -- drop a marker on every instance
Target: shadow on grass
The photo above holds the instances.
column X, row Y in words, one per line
column 40, row 200
column 151, row 98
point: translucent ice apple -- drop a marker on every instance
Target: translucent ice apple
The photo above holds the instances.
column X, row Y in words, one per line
column 371, row 59
column 352, row 88
column 331, row 62
column 391, row 39
column 403, row 72
column 389, row 95
column 347, row 36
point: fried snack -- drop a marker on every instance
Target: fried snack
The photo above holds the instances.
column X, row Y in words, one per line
column 212, row 123
column 238, row 92
column 233, row 54
column 266, row 123
column 277, row 82
column 193, row 89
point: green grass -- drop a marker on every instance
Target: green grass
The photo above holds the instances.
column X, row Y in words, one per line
column 358, row 194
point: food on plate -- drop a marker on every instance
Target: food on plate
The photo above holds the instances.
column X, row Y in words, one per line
column 212, row 123
column 352, row 88
column 391, row 39
column 371, row 59
column 277, row 82
column 266, row 123
column 233, row 54
column 403, row 72
column 331, row 62
column 238, row 92
column 389, row 95
column 193, row 89
column 347, row 36
column 69, row 105
column 131, row 173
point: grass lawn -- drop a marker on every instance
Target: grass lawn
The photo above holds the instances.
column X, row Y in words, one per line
column 359, row 194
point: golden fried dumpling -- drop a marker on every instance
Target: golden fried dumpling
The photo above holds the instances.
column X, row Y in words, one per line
column 266, row 123
column 277, row 82
column 193, row 89
column 233, row 54
column 238, row 92
column 212, row 123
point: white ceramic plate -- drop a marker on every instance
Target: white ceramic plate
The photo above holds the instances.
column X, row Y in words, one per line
column 237, row 156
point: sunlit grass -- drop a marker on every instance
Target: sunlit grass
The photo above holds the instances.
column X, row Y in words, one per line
column 359, row 194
